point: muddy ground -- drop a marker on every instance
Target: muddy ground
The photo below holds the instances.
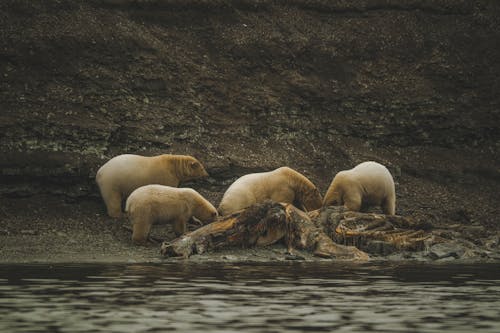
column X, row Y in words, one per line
column 50, row 230
column 244, row 86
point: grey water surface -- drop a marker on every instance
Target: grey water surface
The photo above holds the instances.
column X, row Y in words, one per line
column 270, row 297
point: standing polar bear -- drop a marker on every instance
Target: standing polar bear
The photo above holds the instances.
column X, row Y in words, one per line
column 157, row 203
column 124, row 173
column 367, row 184
column 282, row 185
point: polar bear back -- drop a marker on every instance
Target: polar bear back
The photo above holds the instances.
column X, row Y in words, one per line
column 374, row 178
column 168, row 203
column 250, row 188
column 367, row 184
column 281, row 185
column 124, row 173
column 158, row 200
column 158, row 203
column 127, row 172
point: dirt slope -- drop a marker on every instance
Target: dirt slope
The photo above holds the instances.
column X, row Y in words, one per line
column 253, row 85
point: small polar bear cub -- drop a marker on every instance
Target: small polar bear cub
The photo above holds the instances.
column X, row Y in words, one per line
column 158, row 203
column 367, row 184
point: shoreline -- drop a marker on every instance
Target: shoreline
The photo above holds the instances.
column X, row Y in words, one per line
column 49, row 230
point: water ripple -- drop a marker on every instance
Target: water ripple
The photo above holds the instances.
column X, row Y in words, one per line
column 249, row 298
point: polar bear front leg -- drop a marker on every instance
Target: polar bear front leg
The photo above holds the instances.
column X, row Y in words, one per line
column 352, row 201
column 389, row 205
column 180, row 227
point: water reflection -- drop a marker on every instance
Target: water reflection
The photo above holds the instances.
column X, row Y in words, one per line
column 251, row 298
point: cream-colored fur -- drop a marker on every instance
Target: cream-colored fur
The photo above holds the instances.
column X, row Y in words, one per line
column 367, row 184
column 282, row 185
column 157, row 203
column 124, row 173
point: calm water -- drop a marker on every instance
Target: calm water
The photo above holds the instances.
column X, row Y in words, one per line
column 292, row 297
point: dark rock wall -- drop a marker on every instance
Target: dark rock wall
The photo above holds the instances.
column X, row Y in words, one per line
column 248, row 86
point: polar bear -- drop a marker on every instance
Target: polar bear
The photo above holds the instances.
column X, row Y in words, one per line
column 158, row 203
column 367, row 184
column 122, row 174
column 282, row 185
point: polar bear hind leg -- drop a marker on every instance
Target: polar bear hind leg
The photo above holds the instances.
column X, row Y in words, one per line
column 113, row 201
column 141, row 228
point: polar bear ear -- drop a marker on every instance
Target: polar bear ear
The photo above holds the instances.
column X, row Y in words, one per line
column 195, row 165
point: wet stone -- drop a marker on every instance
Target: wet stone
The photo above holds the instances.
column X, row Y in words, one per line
column 379, row 248
column 444, row 250
column 290, row 256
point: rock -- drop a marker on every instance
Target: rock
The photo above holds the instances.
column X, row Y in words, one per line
column 28, row 232
column 380, row 248
column 290, row 256
column 447, row 249
column 492, row 242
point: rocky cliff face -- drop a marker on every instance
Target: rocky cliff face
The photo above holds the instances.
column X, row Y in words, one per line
column 252, row 85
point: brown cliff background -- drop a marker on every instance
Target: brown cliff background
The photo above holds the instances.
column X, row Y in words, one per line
column 248, row 86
